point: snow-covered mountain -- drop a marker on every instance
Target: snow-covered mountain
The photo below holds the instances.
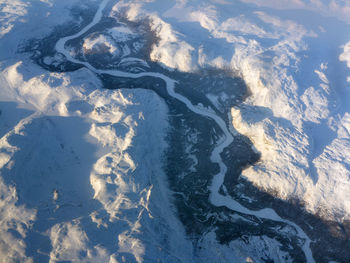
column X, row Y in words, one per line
column 174, row 131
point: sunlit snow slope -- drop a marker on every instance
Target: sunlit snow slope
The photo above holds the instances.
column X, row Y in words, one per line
column 81, row 171
column 82, row 174
column 294, row 56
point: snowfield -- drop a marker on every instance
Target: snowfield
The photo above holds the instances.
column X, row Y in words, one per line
column 82, row 168
column 75, row 144
column 297, row 113
column 74, row 167
column 100, row 44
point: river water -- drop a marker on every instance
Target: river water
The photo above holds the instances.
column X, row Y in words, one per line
column 216, row 198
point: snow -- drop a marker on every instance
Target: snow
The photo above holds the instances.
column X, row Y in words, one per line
column 170, row 51
column 251, row 249
column 121, row 33
column 298, row 99
column 58, row 142
column 10, row 12
column 82, row 146
column 99, row 44
column 345, row 56
column 334, row 8
column 217, row 199
column 20, row 18
column 84, row 137
column 14, row 217
column 287, row 136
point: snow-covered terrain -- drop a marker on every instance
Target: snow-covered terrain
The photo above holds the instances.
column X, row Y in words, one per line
column 74, row 167
column 82, row 168
column 297, row 113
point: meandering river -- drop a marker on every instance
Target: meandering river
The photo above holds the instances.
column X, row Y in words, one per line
column 216, row 198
